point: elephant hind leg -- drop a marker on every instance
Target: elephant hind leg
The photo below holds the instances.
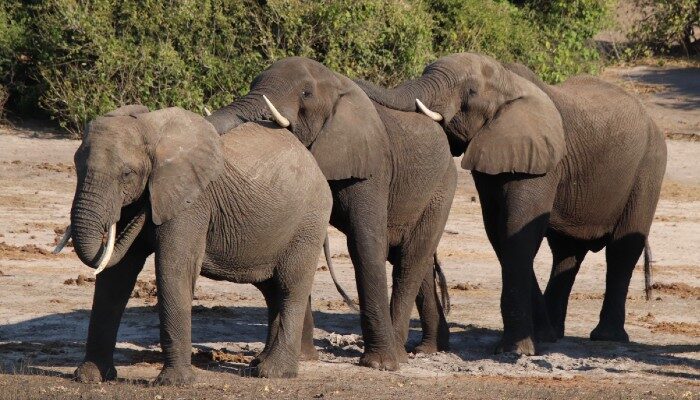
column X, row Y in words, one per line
column 287, row 294
column 413, row 274
column 567, row 255
column 436, row 333
column 308, row 350
column 621, row 256
column 270, row 292
column 623, row 251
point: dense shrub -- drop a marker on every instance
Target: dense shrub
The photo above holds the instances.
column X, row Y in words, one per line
column 12, row 38
column 568, row 27
column 498, row 29
column 665, row 27
column 79, row 58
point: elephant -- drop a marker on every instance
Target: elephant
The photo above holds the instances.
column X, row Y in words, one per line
column 392, row 178
column 580, row 163
column 250, row 206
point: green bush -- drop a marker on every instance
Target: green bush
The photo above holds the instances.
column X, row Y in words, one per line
column 665, row 27
column 498, row 29
column 12, row 41
column 567, row 28
column 76, row 59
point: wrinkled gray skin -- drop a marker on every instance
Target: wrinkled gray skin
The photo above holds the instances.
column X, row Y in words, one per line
column 580, row 163
column 392, row 179
column 251, row 206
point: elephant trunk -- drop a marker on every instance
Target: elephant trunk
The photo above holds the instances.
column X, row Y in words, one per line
column 404, row 96
column 250, row 107
column 92, row 217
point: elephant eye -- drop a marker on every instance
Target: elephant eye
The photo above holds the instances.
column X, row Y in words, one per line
column 306, row 94
column 126, row 172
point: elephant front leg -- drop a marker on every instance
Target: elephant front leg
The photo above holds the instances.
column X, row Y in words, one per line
column 113, row 287
column 516, row 211
column 567, row 256
column 178, row 263
column 367, row 250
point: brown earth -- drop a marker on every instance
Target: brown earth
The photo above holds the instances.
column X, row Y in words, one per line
column 45, row 304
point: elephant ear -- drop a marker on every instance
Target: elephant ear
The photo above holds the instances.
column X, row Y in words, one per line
column 186, row 155
column 352, row 140
column 526, row 135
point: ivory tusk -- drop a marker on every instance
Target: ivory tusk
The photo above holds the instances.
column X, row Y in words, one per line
column 207, row 112
column 281, row 121
column 425, row 110
column 107, row 250
column 64, row 240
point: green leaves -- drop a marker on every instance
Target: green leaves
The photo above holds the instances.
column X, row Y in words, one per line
column 77, row 59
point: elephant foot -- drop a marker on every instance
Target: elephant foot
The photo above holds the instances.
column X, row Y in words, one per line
column 605, row 333
column 268, row 369
column 381, row 360
column 558, row 331
column 170, row 376
column 429, row 346
column 308, row 353
column 90, row 372
column 523, row 347
column 546, row 334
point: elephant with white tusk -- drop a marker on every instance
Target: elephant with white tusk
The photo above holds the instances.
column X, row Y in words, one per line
column 392, row 179
column 580, row 163
column 251, row 206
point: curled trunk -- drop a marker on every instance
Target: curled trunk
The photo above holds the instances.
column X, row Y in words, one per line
column 95, row 209
column 89, row 223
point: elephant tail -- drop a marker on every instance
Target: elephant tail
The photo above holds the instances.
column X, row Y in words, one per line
column 648, row 277
column 441, row 282
column 346, row 298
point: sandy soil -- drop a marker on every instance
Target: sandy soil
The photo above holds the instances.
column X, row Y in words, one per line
column 45, row 303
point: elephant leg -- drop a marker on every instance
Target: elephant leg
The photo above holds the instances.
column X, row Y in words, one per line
column 308, row 350
column 289, row 289
column 436, row 333
column 621, row 255
column 113, row 287
column 367, row 248
column 516, row 213
column 271, row 294
column 544, row 332
column 179, row 259
column 567, row 255
column 407, row 281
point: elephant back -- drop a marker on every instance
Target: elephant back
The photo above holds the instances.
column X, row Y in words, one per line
column 263, row 153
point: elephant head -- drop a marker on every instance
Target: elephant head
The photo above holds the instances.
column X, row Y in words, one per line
column 131, row 164
column 326, row 111
column 499, row 120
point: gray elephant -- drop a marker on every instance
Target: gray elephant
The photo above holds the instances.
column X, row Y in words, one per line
column 392, row 179
column 251, row 206
column 580, row 163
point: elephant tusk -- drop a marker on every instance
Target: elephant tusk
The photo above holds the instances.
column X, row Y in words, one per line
column 107, row 250
column 207, row 112
column 281, row 121
column 435, row 116
column 64, row 240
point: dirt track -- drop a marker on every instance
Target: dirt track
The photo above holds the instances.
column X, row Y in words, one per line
column 44, row 306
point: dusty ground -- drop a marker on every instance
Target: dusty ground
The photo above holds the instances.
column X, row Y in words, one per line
column 44, row 303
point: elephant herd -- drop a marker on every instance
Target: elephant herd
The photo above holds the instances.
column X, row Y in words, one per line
column 245, row 195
